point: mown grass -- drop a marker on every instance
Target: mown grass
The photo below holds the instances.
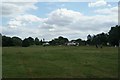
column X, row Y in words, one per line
column 60, row 62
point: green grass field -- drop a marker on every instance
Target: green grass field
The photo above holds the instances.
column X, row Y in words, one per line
column 60, row 62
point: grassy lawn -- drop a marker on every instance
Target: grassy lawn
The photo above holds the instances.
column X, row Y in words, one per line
column 60, row 62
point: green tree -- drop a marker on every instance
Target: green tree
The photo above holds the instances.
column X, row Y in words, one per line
column 17, row 41
column 7, row 41
column 37, row 41
column 89, row 39
column 25, row 42
column 31, row 41
column 114, row 35
column 79, row 41
column 59, row 41
column 62, row 40
column 0, row 39
column 103, row 38
column 41, row 42
column 99, row 39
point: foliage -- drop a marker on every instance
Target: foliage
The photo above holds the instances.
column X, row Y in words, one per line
column 99, row 39
column 7, row 41
column 31, row 41
column 26, row 42
column 37, row 41
column 17, row 41
column 59, row 41
column 114, row 35
column 0, row 40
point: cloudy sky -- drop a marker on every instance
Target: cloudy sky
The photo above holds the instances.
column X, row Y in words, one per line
column 52, row 19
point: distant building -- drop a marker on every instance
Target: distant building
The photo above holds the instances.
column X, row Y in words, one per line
column 73, row 44
column 108, row 44
column 46, row 44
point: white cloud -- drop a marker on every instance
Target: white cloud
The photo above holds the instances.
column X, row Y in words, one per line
column 109, row 5
column 16, row 8
column 61, row 22
column 21, row 32
column 14, row 23
column 69, row 22
column 62, row 17
column 98, row 3
column 23, row 20
column 28, row 17
column 9, row 9
column 20, row 1
column 108, row 11
column 76, row 20
column 54, row 0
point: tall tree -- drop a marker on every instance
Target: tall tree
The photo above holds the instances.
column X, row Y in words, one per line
column 62, row 40
column 36, row 41
column 7, row 41
column 31, row 40
column 79, row 41
column 103, row 38
column 114, row 35
column 89, row 39
column 98, row 39
column 17, row 41
column 59, row 41
column 41, row 42
column 0, row 39
column 25, row 42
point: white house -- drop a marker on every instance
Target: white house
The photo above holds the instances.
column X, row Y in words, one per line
column 46, row 44
column 73, row 44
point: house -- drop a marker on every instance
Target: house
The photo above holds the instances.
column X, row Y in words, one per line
column 72, row 44
column 46, row 44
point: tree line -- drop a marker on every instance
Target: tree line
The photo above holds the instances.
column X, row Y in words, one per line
column 111, row 38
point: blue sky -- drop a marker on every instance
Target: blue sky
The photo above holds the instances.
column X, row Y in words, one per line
column 52, row 19
column 46, row 7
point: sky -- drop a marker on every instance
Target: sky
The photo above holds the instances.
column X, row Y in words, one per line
column 50, row 20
